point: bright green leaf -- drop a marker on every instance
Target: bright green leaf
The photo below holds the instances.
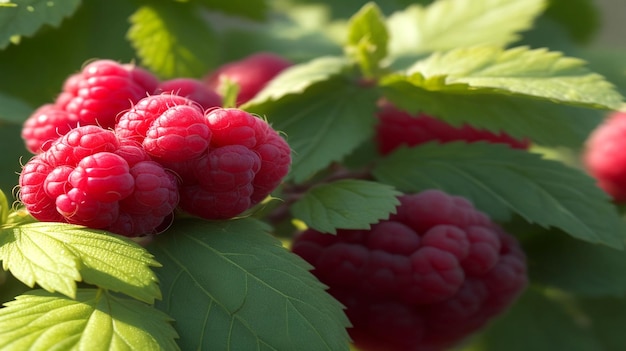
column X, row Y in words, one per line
column 542, row 121
column 346, row 204
column 173, row 40
column 56, row 255
column 13, row 110
column 323, row 124
column 539, row 323
column 30, row 15
column 254, row 9
column 296, row 79
column 367, row 39
column 538, row 73
column 231, row 286
column 95, row 320
column 449, row 24
column 556, row 262
column 500, row 181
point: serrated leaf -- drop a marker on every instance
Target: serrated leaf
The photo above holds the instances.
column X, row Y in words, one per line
column 173, row 40
column 449, row 24
column 95, row 320
column 30, row 15
column 556, row 263
column 346, row 204
column 367, row 39
column 538, row 73
column 231, row 286
column 254, row 9
column 13, row 110
column 539, row 323
column 500, row 181
column 323, row 124
column 296, row 79
column 57, row 255
column 542, row 121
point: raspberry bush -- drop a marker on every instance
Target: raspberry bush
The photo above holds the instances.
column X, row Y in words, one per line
column 310, row 175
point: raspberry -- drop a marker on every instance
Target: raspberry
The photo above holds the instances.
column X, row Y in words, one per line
column 251, row 74
column 245, row 162
column 89, row 177
column 46, row 124
column 397, row 127
column 604, row 158
column 193, row 89
column 426, row 278
column 103, row 89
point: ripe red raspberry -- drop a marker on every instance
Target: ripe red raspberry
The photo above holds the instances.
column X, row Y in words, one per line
column 396, row 127
column 604, row 157
column 88, row 177
column 46, row 124
column 251, row 73
column 425, row 279
column 245, row 162
column 193, row 89
column 104, row 89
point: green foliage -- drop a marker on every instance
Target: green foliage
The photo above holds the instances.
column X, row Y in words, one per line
column 367, row 39
column 27, row 16
column 545, row 192
column 13, row 110
column 57, row 255
column 172, row 46
column 230, row 285
column 346, row 204
column 94, row 320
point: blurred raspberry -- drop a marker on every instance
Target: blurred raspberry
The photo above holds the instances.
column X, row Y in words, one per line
column 88, row 177
column 103, row 89
column 251, row 74
column 604, row 156
column 193, row 89
column 425, row 279
column 396, row 127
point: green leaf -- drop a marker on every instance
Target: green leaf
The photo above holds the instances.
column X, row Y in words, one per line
column 346, row 204
column 537, row 322
column 95, row 320
column 521, row 116
column 13, row 110
column 323, row 124
column 254, row 9
column 296, row 79
column 231, row 286
column 30, row 15
column 538, row 73
column 607, row 318
column 4, row 208
column 556, row 262
column 367, row 39
column 173, row 40
column 449, row 24
column 500, row 181
column 56, row 255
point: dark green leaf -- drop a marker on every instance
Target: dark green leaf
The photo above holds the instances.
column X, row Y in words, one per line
column 500, row 181
column 254, row 9
column 606, row 318
column 231, row 286
column 173, row 40
column 95, row 320
column 323, row 124
column 538, row 323
column 30, row 15
column 520, row 116
column 346, row 204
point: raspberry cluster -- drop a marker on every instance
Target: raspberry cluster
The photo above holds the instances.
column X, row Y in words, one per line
column 121, row 150
column 432, row 274
column 604, row 157
column 396, row 127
